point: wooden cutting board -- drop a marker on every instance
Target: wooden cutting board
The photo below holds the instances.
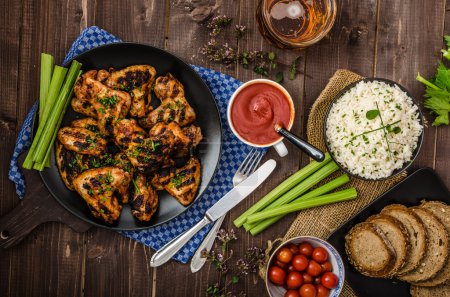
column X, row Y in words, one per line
column 37, row 207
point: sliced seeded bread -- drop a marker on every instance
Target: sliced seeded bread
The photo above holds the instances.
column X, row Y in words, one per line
column 369, row 250
column 439, row 291
column 397, row 235
column 442, row 212
column 417, row 236
column 437, row 248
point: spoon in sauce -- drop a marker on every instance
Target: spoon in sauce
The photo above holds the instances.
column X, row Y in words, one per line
column 309, row 149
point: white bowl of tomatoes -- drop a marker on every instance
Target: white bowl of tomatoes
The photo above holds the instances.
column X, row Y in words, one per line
column 305, row 266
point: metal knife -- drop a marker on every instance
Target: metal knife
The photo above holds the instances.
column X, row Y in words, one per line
column 220, row 208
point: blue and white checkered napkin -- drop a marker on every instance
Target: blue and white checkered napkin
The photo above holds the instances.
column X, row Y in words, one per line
column 233, row 153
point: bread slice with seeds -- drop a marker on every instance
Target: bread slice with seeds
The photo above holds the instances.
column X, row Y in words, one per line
column 369, row 250
column 437, row 248
column 417, row 236
column 397, row 235
column 442, row 212
column 438, row 291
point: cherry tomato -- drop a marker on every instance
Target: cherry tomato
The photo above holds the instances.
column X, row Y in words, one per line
column 326, row 266
column 314, row 268
column 305, row 249
column 277, row 275
column 320, row 254
column 281, row 264
column 307, row 290
column 307, row 279
column 290, row 268
column 322, row 291
column 284, row 255
column 317, row 280
column 294, row 280
column 300, row 262
column 291, row 293
column 294, row 248
column 329, row 280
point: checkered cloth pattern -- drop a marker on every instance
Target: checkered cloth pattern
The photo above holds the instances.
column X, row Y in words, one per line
column 233, row 153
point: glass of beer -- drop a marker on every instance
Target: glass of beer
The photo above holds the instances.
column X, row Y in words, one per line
column 295, row 23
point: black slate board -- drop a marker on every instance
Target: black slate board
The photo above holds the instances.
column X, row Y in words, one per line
column 422, row 184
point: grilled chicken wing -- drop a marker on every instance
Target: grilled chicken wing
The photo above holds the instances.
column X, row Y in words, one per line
column 127, row 131
column 183, row 186
column 88, row 123
column 171, row 110
column 111, row 105
column 145, row 199
column 70, row 164
column 194, row 133
column 121, row 161
column 168, row 87
column 174, row 106
column 172, row 135
column 137, row 80
column 83, row 92
column 82, row 141
column 147, row 157
column 162, row 178
column 99, row 187
column 84, row 107
column 103, row 75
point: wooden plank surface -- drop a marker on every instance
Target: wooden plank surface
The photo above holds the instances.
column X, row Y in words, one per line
column 391, row 39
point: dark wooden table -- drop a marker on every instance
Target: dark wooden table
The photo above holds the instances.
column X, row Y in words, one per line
column 382, row 38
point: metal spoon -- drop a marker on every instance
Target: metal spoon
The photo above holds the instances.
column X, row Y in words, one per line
column 309, row 149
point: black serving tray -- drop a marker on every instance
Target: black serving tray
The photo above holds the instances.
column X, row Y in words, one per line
column 422, row 184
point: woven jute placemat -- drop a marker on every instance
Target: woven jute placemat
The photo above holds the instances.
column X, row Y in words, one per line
column 322, row 221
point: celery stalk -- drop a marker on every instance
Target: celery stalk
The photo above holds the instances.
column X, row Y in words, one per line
column 58, row 76
column 326, row 188
column 46, row 163
column 59, row 109
column 340, row 196
column 282, row 188
column 300, row 189
column 45, row 79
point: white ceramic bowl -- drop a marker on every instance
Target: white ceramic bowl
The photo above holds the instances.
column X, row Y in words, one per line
column 333, row 256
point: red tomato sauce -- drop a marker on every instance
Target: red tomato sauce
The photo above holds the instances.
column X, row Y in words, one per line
column 255, row 111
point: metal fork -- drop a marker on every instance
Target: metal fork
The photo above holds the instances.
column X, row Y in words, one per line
column 248, row 166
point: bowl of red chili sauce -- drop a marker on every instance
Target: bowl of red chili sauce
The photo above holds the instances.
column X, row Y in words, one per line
column 254, row 110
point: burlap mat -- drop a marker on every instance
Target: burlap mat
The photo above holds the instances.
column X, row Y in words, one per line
column 322, row 221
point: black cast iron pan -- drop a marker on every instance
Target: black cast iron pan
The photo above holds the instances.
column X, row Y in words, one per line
column 120, row 55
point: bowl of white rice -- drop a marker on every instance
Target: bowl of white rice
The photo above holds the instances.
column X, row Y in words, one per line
column 374, row 129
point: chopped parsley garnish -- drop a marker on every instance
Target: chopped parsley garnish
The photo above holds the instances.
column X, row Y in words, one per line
column 177, row 180
column 108, row 101
column 136, row 188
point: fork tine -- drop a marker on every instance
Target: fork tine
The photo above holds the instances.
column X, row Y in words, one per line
column 245, row 160
column 251, row 163
column 255, row 166
column 252, row 154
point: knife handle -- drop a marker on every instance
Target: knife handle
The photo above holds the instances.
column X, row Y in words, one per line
column 172, row 247
column 198, row 261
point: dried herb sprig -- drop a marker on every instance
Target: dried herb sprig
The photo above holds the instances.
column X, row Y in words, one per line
column 247, row 265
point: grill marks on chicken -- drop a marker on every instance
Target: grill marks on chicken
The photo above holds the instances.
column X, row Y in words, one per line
column 145, row 199
column 100, row 188
column 127, row 131
column 111, row 105
column 99, row 155
column 174, row 106
column 183, row 186
column 82, row 141
column 137, row 80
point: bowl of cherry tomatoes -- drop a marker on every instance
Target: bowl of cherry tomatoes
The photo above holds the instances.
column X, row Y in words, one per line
column 305, row 266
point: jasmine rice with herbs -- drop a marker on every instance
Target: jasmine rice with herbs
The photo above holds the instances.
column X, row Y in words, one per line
column 373, row 129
